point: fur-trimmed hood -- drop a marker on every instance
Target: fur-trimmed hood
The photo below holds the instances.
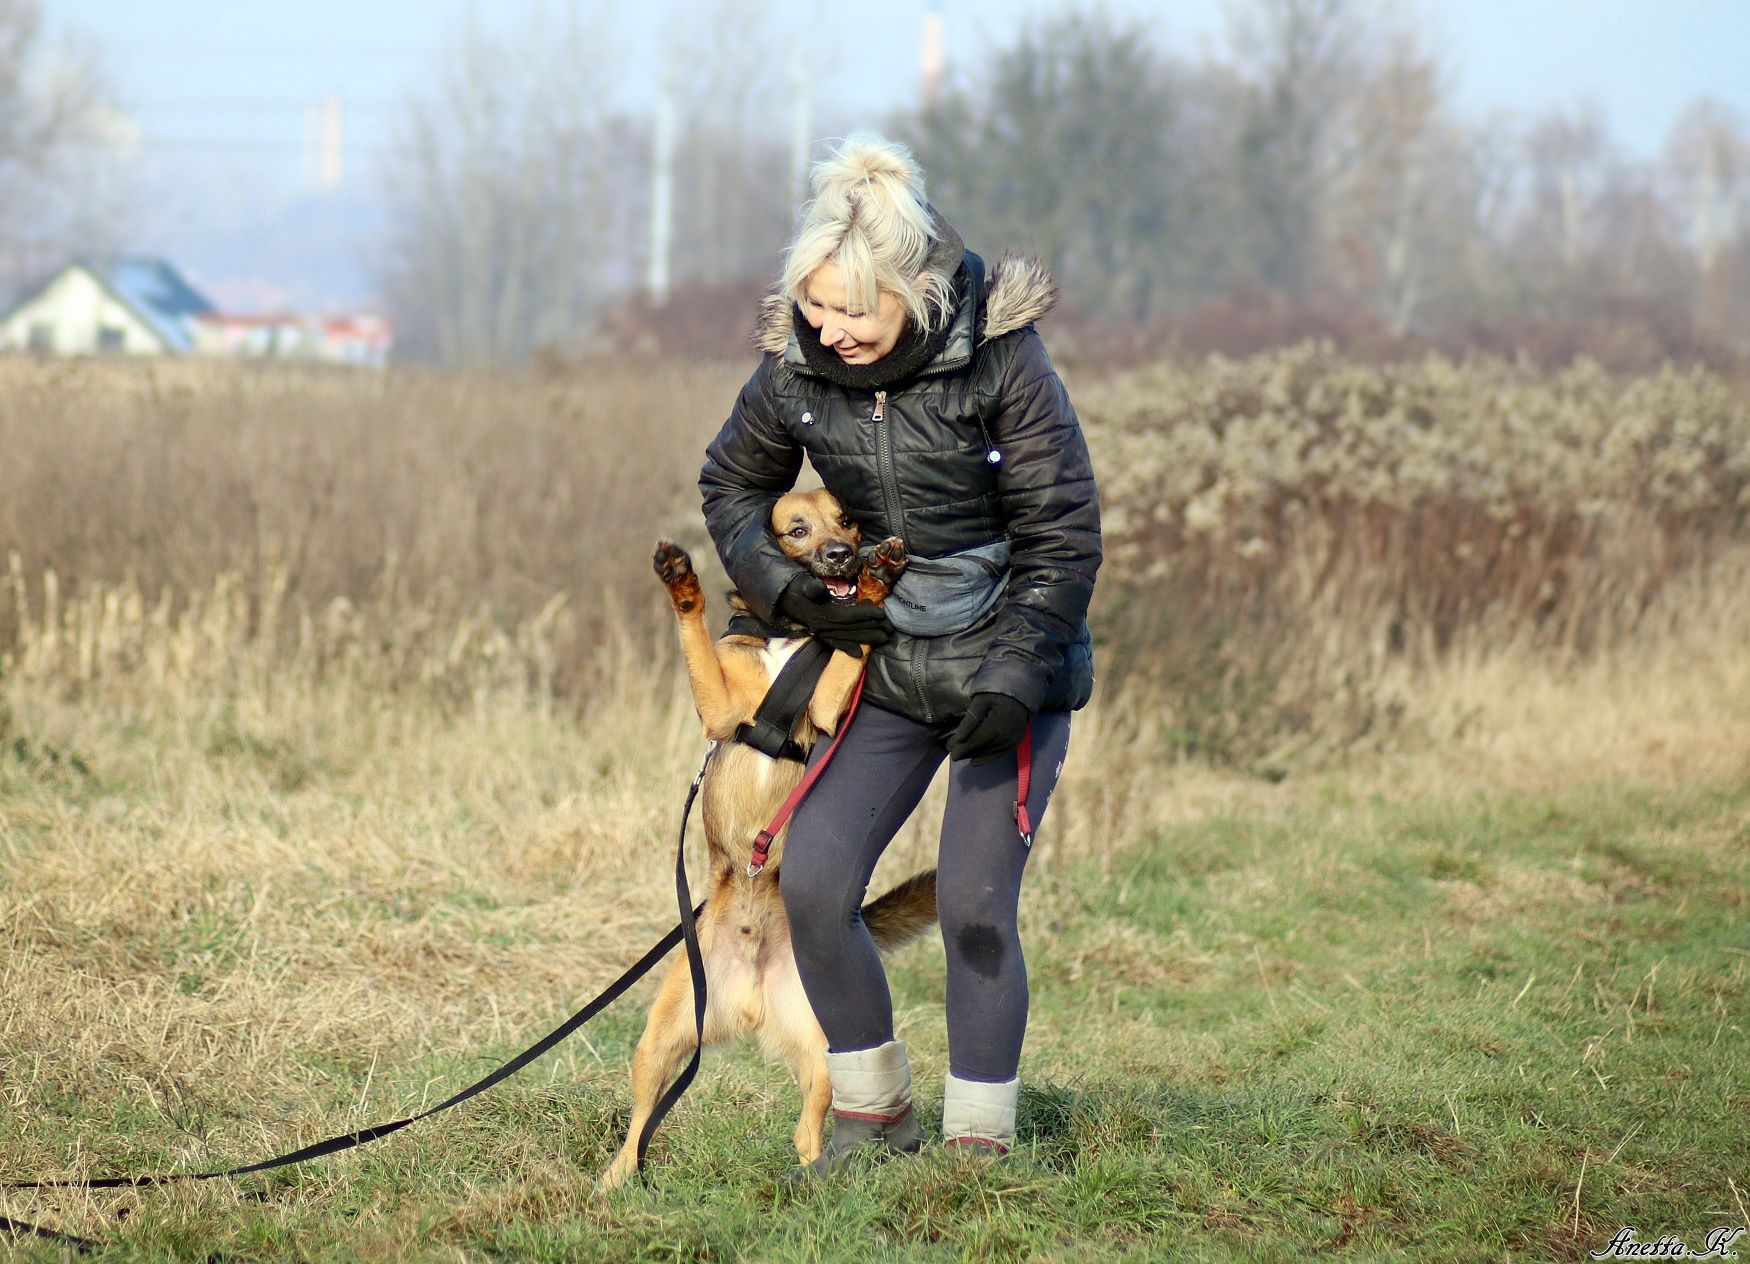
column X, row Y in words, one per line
column 1017, row 292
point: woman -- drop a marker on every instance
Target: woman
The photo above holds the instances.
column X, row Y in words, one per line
column 923, row 397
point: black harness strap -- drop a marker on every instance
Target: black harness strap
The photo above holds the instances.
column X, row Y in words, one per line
column 770, row 730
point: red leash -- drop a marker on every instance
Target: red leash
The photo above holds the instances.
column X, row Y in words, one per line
column 762, row 843
column 1024, row 780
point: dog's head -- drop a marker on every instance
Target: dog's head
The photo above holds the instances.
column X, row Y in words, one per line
column 814, row 529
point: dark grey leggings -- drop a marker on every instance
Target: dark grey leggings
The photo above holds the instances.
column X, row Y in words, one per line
column 881, row 771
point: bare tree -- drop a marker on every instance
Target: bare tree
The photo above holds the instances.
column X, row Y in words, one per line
column 1707, row 158
column 60, row 138
column 508, row 216
column 1706, row 165
column 1570, row 164
column 1069, row 146
column 1299, row 64
column 728, row 74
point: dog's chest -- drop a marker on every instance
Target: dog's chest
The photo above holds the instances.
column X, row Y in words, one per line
column 774, row 654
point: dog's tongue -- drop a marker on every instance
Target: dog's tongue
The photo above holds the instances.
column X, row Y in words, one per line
column 840, row 587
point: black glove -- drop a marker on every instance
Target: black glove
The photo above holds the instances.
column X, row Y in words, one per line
column 994, row 724
column 846, row 626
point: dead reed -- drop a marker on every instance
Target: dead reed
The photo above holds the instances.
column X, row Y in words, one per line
column 1287, row 536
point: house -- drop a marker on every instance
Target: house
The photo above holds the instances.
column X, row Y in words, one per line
column 361, row 340
column 135, row 306
column 115, row 306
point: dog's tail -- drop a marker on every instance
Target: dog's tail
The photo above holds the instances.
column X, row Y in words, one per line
column 904, row 913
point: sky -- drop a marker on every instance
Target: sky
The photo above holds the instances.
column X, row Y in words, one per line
column 219, row 92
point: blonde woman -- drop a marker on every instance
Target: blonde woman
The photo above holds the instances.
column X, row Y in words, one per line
column 916, row 385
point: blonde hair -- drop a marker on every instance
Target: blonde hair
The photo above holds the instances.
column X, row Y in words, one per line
column 869, row 216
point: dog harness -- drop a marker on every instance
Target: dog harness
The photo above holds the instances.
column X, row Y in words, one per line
column 771, row 731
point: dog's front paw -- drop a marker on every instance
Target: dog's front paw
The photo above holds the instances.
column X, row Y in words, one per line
column 675, row 569
column 883, row 569
column 671, row 563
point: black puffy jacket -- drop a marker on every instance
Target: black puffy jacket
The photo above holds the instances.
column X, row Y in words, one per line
column 913, row 460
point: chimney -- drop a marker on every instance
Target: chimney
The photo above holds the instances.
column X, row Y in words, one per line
column 931, row 67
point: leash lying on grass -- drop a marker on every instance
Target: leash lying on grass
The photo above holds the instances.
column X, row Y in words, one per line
column 686, row 930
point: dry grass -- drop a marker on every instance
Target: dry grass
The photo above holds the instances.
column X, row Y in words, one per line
column 1296, row 544
column 341, row 737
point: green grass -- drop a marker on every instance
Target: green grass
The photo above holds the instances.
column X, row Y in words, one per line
column 1484, row 1029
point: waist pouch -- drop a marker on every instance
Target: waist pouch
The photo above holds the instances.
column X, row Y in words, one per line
column 936, row 596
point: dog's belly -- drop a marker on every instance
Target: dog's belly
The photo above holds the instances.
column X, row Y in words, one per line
column 739, row 955
column 734, row 1002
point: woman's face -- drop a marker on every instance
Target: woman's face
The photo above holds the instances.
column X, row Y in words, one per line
column 858, row 336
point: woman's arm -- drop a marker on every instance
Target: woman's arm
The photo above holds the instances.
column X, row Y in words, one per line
column 1052, row 511
column 752, row 461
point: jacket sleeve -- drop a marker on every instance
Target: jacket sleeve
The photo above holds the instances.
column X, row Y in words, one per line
column 1045, row 486
column 752, row 461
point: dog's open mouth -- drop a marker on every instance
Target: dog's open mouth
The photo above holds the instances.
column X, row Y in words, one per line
column 839, row 589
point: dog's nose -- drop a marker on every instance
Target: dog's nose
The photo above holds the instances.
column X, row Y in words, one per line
column 837, row 553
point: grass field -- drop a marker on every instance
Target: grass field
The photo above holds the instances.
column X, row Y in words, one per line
column 1388, row 1009
column 1454, row 968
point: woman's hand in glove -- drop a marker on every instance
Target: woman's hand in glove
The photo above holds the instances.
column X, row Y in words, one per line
column 847, row 626
column 994, row 724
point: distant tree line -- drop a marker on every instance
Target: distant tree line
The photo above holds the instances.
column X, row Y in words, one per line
column 1312, row 177
column 1318, row 172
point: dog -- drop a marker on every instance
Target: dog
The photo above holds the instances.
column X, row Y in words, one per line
column 744, row 936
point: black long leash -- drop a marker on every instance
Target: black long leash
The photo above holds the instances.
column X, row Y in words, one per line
column 695, row 965
column 686, row 931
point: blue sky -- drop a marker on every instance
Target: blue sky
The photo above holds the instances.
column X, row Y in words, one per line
column 218, row 91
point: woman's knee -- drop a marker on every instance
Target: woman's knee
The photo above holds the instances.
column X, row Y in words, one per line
column 820, row 899
column 978, row 920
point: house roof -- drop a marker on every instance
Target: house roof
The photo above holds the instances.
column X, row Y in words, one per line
column 149, row 287
column 156, row 293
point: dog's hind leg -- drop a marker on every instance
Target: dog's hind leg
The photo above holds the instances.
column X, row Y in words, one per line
column 816, row 1101
column 669, row 1038
column 668, row 1041
column 792, row 1032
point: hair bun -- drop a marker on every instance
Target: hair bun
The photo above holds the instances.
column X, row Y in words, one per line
column 867, row 160
column 869, row 217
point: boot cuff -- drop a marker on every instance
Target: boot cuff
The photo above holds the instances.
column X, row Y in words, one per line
column 979, row 1109
column 870, row 1082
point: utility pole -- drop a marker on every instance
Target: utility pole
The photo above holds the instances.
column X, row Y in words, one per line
column 662, row 194
column 324, row 143
column 933, row 54
column 801, row 122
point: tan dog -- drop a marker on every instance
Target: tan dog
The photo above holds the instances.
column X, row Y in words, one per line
column 753, row 987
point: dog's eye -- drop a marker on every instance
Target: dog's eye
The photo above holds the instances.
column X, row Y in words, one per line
column 845, row 521
column 797, row 533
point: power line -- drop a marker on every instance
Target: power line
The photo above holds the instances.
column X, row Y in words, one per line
column 281, row 106
column 257, row 51
column 219, row 144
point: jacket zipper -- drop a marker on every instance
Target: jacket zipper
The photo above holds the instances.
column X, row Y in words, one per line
column 884, row 463
column 896, row 524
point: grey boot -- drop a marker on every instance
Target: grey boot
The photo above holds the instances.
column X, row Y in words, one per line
column 978, row 1115
column 871, row 1106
